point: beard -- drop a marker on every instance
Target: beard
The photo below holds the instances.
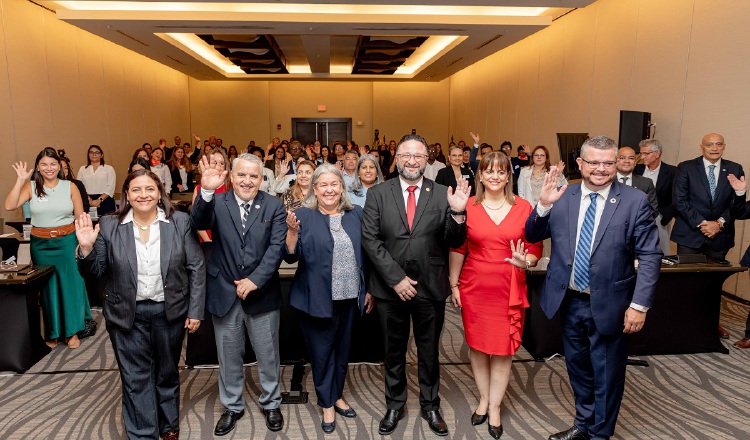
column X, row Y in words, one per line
column 409, row 175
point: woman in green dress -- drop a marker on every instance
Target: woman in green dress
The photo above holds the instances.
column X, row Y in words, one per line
column 54, row 202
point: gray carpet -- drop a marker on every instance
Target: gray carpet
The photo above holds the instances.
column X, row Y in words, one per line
column 75, row 394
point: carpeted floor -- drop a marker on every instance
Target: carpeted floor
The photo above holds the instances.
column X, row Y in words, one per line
column 75, row 394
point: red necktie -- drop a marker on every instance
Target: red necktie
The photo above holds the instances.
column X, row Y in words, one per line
column 411, row 205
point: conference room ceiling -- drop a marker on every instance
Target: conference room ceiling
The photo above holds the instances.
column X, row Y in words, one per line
column 422, row 40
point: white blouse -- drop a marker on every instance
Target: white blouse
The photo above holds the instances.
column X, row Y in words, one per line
column 101, row 181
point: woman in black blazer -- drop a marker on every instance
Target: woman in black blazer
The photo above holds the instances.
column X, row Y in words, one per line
column 325, row 238
column 155, row 290
column 456, row 169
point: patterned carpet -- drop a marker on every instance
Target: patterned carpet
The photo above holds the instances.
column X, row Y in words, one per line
column 75, row 394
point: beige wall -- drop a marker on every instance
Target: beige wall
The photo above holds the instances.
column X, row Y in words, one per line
column 238, row 111
column 685, row 61
column 63, row 87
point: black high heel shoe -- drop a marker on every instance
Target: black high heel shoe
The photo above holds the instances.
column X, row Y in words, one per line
column 328, row 427
column 476, row 419
column 495, row 431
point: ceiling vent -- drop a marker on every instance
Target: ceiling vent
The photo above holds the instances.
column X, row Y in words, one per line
column 488, row 42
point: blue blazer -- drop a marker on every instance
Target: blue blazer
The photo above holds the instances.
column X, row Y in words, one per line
column 311, row 287
column 237, row 254
column 627, row 228
column 692, row 204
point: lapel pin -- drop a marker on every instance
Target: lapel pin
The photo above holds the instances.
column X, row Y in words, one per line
column 427, row 189
column 257, row 206
column 613, row 200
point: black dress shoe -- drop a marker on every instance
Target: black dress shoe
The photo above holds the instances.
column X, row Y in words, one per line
column 389, row 422
column 571, row 434
column 227, row 421
column 328, row 427
column 349, row 412
column 476, row 419
column 435, row 422
column 495, row 431
column 274, row 419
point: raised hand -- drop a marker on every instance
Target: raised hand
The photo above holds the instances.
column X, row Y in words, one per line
column 292, row 222
column 197, row 139
column 212, row 176
column 475, row 137
column 457, row 200
column 737, row 184
column 518, row 254
column 550, row 194
column 560, row 166
column 283, row 167
column 21, row 171
column 86, row 233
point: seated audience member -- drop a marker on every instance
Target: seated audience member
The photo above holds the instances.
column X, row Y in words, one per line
column 138, row 164
column 99, row 180
column 662, row 174
column 232, row 153
column 326, row 156
column 351, row 159
column 142, row 153
column 450, row 175
column 325, row 239
column 440, row 156
column 376, row 154
column 467, row 156
column 273, row 163
column 215, row 159
column 433, row 166
column 147, row 319
column 506, row 147
column 296, row 193
column 146, row 146
column 531, row 177
column 68, row 175
column 368, row 174
column 741, row 211
column 181, row 171
column 169, row 150
column 267, row 185
column 520, row 161
column 159, row 168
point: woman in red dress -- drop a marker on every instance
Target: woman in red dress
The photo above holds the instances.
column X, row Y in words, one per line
column 488, row 282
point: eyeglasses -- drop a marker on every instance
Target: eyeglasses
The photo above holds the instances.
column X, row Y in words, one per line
column 409, row 156
column 646, row 153
column 596, row 164
column 540, row 155
column 717, row 144
column 95, row 153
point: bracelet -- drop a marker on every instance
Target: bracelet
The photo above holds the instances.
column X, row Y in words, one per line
column 528, row 264
column 101, row 199
column 455, row 285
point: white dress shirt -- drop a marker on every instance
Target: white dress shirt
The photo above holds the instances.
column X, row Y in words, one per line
column 101, row 181
column 706, row 164
column 148, row 254
column 405, row 191
column 652, row 174
column 628, row 181
column 601, row 201
column 431, row 170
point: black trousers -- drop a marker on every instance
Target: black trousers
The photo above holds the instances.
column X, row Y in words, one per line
column 329, row 341
column 147, row 356
column 427, row 317
column 704, row 250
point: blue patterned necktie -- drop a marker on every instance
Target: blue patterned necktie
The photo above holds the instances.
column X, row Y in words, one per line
column 244, row 214
column 712, row 181
column 583, row 250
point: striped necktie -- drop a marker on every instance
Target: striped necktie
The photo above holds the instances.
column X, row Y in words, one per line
column 244, row 213
column 583, row 250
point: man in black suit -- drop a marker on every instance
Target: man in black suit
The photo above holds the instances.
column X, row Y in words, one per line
column 408, row 225
column 625, row 165
column 243, row 292
column 702, row 197
column 662, row 174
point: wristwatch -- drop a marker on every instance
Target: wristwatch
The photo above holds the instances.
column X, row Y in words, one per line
column 452, row 212
column 722, row 222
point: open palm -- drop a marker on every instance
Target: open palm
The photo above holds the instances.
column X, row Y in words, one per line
column 212, row 176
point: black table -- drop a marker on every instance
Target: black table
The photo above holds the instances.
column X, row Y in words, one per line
column 22, row 344
column 684, row 318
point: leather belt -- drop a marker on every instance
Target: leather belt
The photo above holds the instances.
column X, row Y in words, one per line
column 578, row 294
column 59, row 231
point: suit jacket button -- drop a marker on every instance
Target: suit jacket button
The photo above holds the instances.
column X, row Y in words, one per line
column 570, row 265
column 563, row 286
column 240, row 266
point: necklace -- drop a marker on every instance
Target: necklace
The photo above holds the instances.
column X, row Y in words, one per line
column 140, row 226
column 494, row 209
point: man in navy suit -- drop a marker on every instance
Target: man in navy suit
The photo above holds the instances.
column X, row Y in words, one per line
column 597, row 228
column 248, row 228
column 662, row 174
column 702, row 198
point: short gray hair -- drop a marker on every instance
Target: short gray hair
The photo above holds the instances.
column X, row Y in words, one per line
column 250, row 158
column 311, row 201
column 356, row 186
column 599, row 143
column 653, row 143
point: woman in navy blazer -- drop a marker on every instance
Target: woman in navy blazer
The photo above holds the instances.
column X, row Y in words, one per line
column 325, row 238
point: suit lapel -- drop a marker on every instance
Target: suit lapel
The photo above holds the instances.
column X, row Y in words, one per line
column 610, row 205
column 166, row 238
column 127, row 239
column 702, row 176
column 425, row 194
column 573, row 212
column 252, row 215
column 721, row 179
column 234, row 211
column 398, row 197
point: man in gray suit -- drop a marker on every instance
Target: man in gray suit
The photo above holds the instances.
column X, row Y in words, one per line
column 625, row 166
column 243, row 293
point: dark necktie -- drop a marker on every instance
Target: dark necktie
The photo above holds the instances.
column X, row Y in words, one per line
column 583, row 250
column 712, row 181
column 244, row 214
column 411, row 205
column 624, row 180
